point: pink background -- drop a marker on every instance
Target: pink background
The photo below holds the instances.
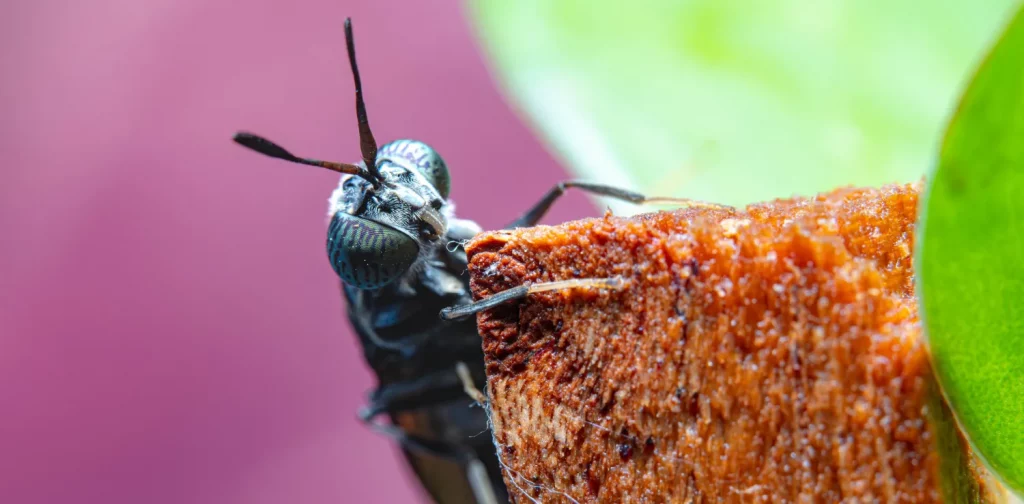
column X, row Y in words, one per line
column 170, row 329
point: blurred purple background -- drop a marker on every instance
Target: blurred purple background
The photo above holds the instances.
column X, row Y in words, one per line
column 170, row 329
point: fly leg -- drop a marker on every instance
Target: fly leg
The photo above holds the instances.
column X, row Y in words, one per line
column 475, row 470
column 466, row 378
column 462, row 311
column 434, row 388
column 537, row 211
column 440, row 386
column 534, row 214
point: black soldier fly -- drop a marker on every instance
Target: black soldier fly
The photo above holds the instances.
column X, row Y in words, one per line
column 388, row 240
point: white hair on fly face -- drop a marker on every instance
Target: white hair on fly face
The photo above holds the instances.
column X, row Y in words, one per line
column 336, row 201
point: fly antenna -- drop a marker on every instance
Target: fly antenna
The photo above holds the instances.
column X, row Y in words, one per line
column 367, row 144
column 268, row 148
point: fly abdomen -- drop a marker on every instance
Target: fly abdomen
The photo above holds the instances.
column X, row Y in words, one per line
column 367, row 254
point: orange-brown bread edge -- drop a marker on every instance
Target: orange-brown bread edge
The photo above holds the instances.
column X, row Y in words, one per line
column 765, row 354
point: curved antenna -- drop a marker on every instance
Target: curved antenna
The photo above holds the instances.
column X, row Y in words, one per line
column 268, row 148
column 367, row 144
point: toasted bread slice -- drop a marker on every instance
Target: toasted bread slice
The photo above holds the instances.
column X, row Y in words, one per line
column 766, row 354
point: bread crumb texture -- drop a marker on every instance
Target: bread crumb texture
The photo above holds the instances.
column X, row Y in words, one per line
column 765, row 354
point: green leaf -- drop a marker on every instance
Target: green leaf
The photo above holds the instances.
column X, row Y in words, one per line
column 737, row 102
column 958, row 482
column 971, row 262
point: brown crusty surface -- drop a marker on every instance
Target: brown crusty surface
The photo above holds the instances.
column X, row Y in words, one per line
column 766, row 354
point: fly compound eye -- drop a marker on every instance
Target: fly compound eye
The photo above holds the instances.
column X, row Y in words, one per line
column 424, row 159
column 367, row 254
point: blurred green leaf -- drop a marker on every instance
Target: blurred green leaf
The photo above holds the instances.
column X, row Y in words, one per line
column 957, row 482
column 971, row 261
column 736, row 102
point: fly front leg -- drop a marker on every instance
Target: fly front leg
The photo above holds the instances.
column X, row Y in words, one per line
column 462, row 311
column 537, row 211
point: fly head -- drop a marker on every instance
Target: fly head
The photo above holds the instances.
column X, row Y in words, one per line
column 390, row 210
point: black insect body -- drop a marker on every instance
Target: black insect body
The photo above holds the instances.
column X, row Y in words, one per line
column 390, row 241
